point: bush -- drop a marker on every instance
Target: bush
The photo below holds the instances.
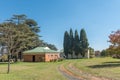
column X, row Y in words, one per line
column 4, row 57
column 116, row 56
column 60, row 59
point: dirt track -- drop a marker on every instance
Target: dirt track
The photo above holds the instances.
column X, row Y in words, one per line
column 73, row 73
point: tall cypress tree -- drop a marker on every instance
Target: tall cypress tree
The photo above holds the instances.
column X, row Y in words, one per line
column 66, row 43
column 76, row 43
column 83, row 42
column 71, row 43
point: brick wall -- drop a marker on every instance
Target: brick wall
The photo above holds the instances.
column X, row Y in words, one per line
column 27, row 58
column 41, row 57
column 51, row 56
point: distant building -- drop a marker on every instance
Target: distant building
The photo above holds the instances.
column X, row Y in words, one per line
column 40, row 54
column 3, row 50
column 97, row 53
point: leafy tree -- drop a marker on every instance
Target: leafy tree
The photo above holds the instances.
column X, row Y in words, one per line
column 76, row 43
column 115, row 38
column 66, row 43
column 104, row 53
column 114, row 48
column 17, row 37
column 84, row 42
column 53, row 47
column 8, row 32
column 22, row 20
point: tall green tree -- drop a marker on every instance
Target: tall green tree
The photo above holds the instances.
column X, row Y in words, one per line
column 71, row 43
column 76, row 43
column 66, row 43
column 83, row 42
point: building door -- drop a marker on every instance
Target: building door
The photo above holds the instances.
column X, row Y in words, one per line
column 33, row 58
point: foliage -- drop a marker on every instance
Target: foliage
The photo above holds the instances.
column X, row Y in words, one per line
column 115, row 38
column 33, row 25
column 84, row 42
column 66, row 43
column 4, row 57
column 114, row 48
column 52, row 46
column 18, row 36
column 103, row 53
column 71, row 43
column 74, row 45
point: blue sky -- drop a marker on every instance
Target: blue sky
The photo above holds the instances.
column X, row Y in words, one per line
column 97, row 17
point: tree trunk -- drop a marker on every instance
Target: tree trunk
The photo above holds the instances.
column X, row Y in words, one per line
column 8, row 63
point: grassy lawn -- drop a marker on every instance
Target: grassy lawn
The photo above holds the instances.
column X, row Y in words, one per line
column 31, row 71
column 102, row 67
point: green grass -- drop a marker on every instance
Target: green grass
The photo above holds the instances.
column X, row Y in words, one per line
column 31, row 71
column 101, row 67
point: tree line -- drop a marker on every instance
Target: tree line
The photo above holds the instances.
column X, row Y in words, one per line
column 75, row 43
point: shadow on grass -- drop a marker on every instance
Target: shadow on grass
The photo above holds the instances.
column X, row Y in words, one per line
column 106, row 65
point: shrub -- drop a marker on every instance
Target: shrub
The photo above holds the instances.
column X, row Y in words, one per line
column 4, row 57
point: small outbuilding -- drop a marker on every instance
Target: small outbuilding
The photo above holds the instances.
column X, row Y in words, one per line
column 40, row 54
